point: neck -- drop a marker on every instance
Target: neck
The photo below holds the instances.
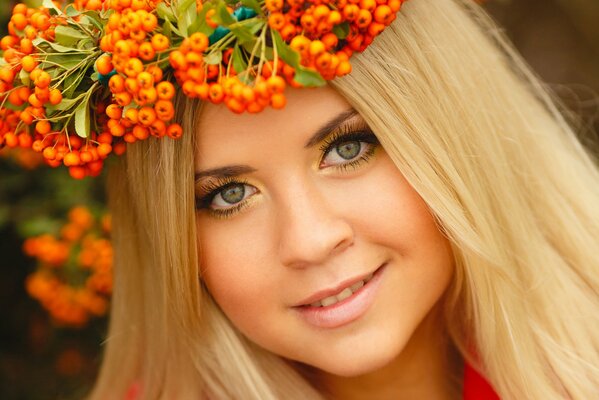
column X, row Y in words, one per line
column 427, row 368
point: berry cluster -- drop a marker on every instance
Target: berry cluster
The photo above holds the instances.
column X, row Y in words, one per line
column 326, row 33
column 73, row 280
column 81, row 81
column 142, row 100
column 34, row 115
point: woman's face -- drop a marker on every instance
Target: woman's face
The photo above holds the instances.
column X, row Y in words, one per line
column 298, row 209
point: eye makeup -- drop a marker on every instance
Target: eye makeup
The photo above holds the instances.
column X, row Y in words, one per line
column 351, row 131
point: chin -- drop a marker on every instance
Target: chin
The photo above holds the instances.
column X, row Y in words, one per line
column 350, row 363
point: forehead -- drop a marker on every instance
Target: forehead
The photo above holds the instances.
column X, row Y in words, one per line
column 306, row 110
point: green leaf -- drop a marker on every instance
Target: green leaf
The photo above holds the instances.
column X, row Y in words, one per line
column 93, row 18
column 67, row 36
column 202, row 25
column 82, row 124
column 242, row 33
column 49, row 4
column 239, row 63
column 24, row 77
column 286, row 53
column 186, row 15
column 249, row 46
column 341, row 30
column 66, row 61
column 38, row 42
column 71, row 83
column 71, row 11
column 253, row 4
column 308, row 77
column 222, row 15
column 165, row 12
column 214, row 58
column 66, row 104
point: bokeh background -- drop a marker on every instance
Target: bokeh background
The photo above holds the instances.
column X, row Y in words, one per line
column 43, row 358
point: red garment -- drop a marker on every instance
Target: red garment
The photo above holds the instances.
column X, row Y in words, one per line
column 476, row 387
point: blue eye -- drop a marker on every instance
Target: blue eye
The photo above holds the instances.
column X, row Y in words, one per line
column 232, row 194
column 348, row 150
column 342, row 150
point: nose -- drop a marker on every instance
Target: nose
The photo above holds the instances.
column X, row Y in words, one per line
column 311, row 228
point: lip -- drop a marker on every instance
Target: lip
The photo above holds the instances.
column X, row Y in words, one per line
column 322, row 294
column 345, row 311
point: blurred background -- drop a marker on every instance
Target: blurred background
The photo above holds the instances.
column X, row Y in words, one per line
column 55, row 257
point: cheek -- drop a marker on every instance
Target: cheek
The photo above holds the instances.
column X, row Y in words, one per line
column 235, row 271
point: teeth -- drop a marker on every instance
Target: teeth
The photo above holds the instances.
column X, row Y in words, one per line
column 327, row 301
column 345, row 293
column 356, row 286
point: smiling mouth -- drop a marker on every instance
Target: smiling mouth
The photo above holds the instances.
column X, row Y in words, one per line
column 336, row 307
column 344, row 294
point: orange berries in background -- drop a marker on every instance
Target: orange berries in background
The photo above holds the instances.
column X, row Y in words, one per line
column 73, row 280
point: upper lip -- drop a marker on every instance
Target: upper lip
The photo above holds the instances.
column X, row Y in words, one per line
column 322, row 294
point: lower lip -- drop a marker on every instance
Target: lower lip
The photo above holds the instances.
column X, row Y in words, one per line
column 345, row 311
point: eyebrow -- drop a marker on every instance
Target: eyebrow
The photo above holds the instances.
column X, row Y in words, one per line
column 322, row 132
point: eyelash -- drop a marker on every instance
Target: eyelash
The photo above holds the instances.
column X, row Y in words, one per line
column 345, row 134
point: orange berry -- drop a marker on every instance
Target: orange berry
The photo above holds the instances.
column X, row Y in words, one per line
column 164, row 110
column 104, row 149
column 7, row 74
column 199, row 42
column 26, row 46
column 147, row 116
column 43, row 127
column 28, row 63
column 146, row 51
column 140, row 132
column 71, row 159
column 114, row 111
column 19, row 21
column 148, row 95
column 149, row 22
column 276, row 20
column 132, row 85
column 116, row 84
column 343, row 68
column 55, row 97
column 145, row 80
column 43, row 80
column 34, row 101
column 276, row 84
column 77, row 172
column 131, row 114
column 104, row 65
column 166, row 90
column 177, row 60
column 25, row 140
column 134, row 67
column 174, row 131
column 364, row 18
column 160, row 42
column 278, row 101
column 156, row 73
column 317, row 47
column 383, row 14
column 395, row 5
column 49, row 153
column 216, row 93
column 350, row 12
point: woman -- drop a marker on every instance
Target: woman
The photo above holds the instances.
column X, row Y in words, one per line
column 439, row 174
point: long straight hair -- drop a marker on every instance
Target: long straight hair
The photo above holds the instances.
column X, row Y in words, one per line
column 482, row 142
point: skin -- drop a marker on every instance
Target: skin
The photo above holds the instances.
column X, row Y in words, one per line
column 308, row 226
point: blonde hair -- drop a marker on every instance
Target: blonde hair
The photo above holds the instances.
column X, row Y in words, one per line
column 479, row 138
